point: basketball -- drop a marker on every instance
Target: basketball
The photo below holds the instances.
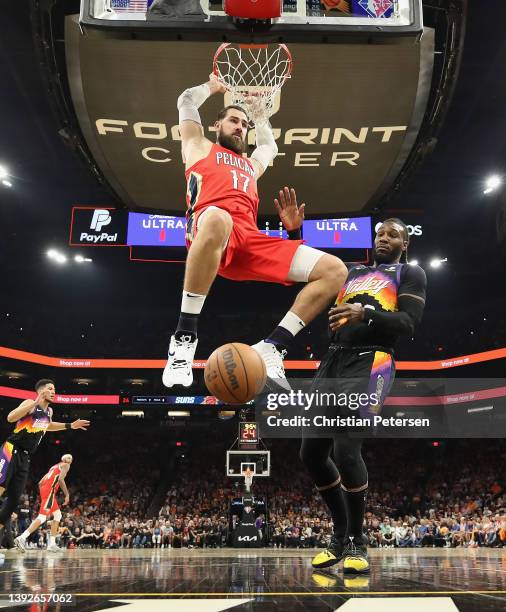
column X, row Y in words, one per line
column 235, row 373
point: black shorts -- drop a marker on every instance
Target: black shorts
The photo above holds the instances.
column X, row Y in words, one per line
column 357, row 379
column 15, row 482
column 17, row 469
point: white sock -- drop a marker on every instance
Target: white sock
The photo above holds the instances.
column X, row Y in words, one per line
column 192, row 303
column 51, row 540
column 25, row 534
column 292, row 323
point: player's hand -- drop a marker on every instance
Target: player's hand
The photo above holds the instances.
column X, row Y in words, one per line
column 215, row 85
column 80, row 424
column 66, row 500
column 290, row 213
column 344, row 314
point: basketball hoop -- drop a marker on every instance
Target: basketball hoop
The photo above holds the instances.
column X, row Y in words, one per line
column 248, row 479
column 253, row 74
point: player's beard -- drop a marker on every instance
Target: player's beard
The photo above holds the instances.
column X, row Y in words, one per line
column 387, row 257
column 237, row 145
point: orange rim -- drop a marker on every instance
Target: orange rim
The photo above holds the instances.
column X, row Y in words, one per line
column 254, row 46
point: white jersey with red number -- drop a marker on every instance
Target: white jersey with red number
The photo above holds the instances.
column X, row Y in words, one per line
column 222, row 179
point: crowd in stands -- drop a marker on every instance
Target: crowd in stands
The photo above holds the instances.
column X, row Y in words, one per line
column 111, row 334
column 450, row 496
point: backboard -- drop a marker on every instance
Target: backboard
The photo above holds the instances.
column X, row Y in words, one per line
column 259, row 462
column 347, row 123
column 363, row 13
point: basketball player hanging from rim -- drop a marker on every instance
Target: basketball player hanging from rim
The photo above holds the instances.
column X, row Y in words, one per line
column 222, row 233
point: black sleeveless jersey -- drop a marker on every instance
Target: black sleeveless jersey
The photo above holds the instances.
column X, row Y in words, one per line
column 30, row 430
column 377, row 288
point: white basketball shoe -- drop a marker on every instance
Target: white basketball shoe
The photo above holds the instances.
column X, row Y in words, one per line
column 273, row 359
column 54, row 548
column 178, row 370
column 20, row 543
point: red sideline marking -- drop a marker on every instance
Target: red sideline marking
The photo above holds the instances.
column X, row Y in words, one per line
column 147, row 364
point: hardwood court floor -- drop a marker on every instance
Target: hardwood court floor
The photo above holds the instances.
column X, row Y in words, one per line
column 414, row 580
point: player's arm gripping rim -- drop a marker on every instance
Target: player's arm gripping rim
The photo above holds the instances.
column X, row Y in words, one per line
column 266, row 149
column 193, row 140
column 195, row 145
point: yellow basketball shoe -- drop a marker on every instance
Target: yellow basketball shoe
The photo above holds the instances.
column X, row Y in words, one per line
column 323, row 579
column 356, row 560
column 356, row 582
column 331, row 555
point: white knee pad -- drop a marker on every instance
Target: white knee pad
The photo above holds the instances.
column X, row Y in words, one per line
column 42, row 518
column 57, row 515
column 303, row 262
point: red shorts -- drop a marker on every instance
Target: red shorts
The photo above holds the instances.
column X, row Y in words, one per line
column 249, row 254
column 48, row 503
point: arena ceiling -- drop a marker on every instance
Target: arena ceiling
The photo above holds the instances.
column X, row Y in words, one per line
column 48, row 178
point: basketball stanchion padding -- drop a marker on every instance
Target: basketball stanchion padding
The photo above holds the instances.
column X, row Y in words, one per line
column 253, row 9
column 248, row 480
column 235, row 373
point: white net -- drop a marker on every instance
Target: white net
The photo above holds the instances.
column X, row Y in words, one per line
column 253, row 74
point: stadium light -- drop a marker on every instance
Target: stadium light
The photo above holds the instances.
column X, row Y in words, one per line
column 437, row 263
column 6, row 183
column 81, row 259
column 492, row 183
column 61, row 258
column 3, row 172
column 56, row 256
column 133, row 413
column 413, row 262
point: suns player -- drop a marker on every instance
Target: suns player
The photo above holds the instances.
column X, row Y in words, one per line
column 376, row 305
column 223, row 238
column 49, row 485
column 33, row 418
